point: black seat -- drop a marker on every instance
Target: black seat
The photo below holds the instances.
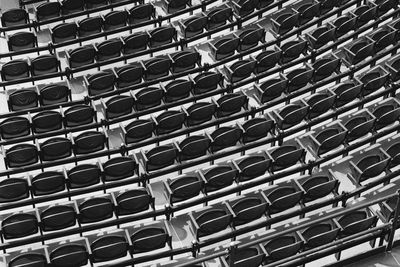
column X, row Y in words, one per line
column 64, row 32
column 23, row 99
column 148, row 97
column 95, row 210
column 13, row 189
column 58, row 217
column 394, row 153
column 109, row 247
column 219, row 177
column 286, row 156
column 141, row 12
column 293, row 49
column 176, row 5
column 129, row 75
column 257, row 128
column 241, row 70
column 48, row 10
column 320, row 103
column 169, row 121
column 386, row 115
column 369, row 166
column 298, row 78
column 224, row 47
column 89, row 142
column 194, row 25
column 253, row 166
column 346, row 92
column 271, row 89
column 283, row 198
column 356, row 222
column 329, row 139
column 138, row 130
column 119, row 168
column 184, row 188
column 157, row 67
column 383, row 38
column 318, row 186
column 325, row 67
column 245, row 7
column 48, row 182
column 31, row 258
column 206, row 81
column 177, row 90
column 250, row 38
column 100, row 82
column 248, row 209
column 160, row 157
column 14, row 127
column 162, row 35
column 133, row 201
column 359, row 50
column 358, row 126
column 218, row 16
column 200, row 112
column 15, row 70
column 282, row 247
column 73, row 254
column 109, row 49
column 95, row 3
column 247, row 257
column 19, row 225
column 320, row 234
column 149, row 239
column 321, row 36
column 212, row 221
column 90, row 26
column 81, row 56
column 55, row 148
column 344, row 24
column 14, row 17
column 184, row 60
column 193, row 147
column 365, row 13
column 79, row 115
column 45, row 64
column 54, row 94
column 115, row 19
column 307, row 11
column 72, row 6
column 83, row 175
column 285, row 21
column 231, row 103
column 373, row 80
column 224, row 137
column 292, row 115
column 118, row 106
column 21, row 155
column 267, row 60
column 21, row 40
column 46, row 121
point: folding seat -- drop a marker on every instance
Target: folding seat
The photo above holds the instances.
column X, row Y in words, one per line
column 79, row 115
column 21, row 40
column 15, row 70
column 157, row 67
column 162, row 35
column 115, row 19
column 252, row 166
column 270, row 89
column 74, row 254
column 159, row 157
column 364, row 13
column 14, row 17
column 293, row 49
column 22, row 99
column 109, row 247
column 307, row 10
column 240, row 70
column 359, row 50
column 134, row 201
column 283, row 196
column 231, row 103
column 383, row 6
column 177, row 89
column 249, row 256
column 15, row 127
column 129, row 75
column 394, row 152
column 36, row 259
column 135, row 42
column 72, row 6
column 193, row 147
column 282, row 247
column 56, row 93
column 118, row 106
column 373, row 80
column 119, row 168
column 218, row 16
column 318, row 185
column 210, row 220
column 284, row 20
column 150, row 237
column 21, row 155
column 393, row 66
column 206, row 81
column 46, row 121
column 90, row 142
column 19, row 225
column 290, row 115
column 55, row 148
column 169, row 121
column 95, row 3
column 138, row 130
column 90, row 26
column 250, row 37
column 81, row 56
column 224, row 47
column 185, row 60
column 13, row 189
column 328, row 5
column 344, row 24
column 47, row 10
column 183, row 187
column 257, row 128
column 346, row 92
column 218, row 177
column 370, row 165
column 83, row 175
column 140, row 13
column 355, row 222
column 287, row 155
column 320, row 103
column 321, row 36
column 194, row 25
column 267, row 59
column 45, row 64
column 358, row 125
column 325, row 67
column 248, row 208
column 172, row 6
column 245, row 7
column 224, row 137
column 383, row 37
column 298, row 78
column 199, row 113
column 108, row 49
column 58, row 217
column 386, row 113
column 100, row 82
column 95, row 209
column 64, row 32
column 327, row 138
column 320, row 234
column 47, row 183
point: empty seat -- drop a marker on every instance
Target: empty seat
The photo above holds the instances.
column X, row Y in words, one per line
column 282, row 247
column 21, row 155
column 248, row 209
column 358, row 126
column 48, row 182
column 19, row 225
column 44, row 64
column 162, row 35
column 118, row 106
column 284, row 20
column 231, row 103
column 394, row 152
column 157, row 67
column 206, row 81
column 56, row 148
column 22, row 99
column 245, row 7
column 356, row 222
column 100, row 82
column 177, row 89
column 253, row 166
column 291, row 115
column 129, row 75
column 293, row 49
column 109, row 247
column 95, row 3
column 344, row 24
column 133, row 201
column 383, row 37
column 175, row 5
column 193, row 147
column 119, row 168
column 95, row 209
column 46, row 121
column 320, row 103
column 270, row 89
column 325, row 67
column 240, row 70
column 369, row 166
column 15, row 70
column 286, row 156
column 14, row 17
column 224, row 47
column 373, row 80
column 267, row 59
column 72, row 6
column 141, row 13
column 365, row 13
column 48, row 10
column 359, row 50
column 79, row 115
column 81, row 56
column 14, row 127
column 211, row 221
column 218, row 16
column 184, row 60
column 257, row 128
column 321, row 36
column 83, row 175
column 109, row 49
column 283, row 197
column 307, row 11
column 13, row 189
column 21, row 40
column 89, row 142
column 250, row 257
column 320, row 234
column 90, row 25
column 346, row 92
column 148, row 98
column 138, row 130
column 54, row 94
column 193, row 25
column 219, row 177
column 32, row 258
column 169, row 121
column 58, row 217
column 250, row 38
column 318, row 186
column 224, row 137
column 160, row 157
column 149, row 239
column 386, row 114
column 64, row 32
column 115, row 19
column 200, row 112
column 183, row 188
column 74, row 254
column 298, row 78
